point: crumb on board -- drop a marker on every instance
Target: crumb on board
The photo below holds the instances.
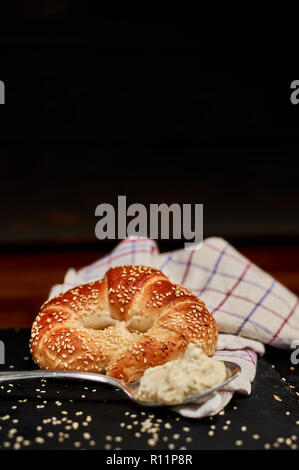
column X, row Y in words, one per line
column 277, row 398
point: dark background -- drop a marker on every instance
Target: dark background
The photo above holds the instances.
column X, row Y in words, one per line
column 152, row 106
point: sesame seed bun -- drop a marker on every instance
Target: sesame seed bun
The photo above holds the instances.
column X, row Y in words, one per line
column 132, row 319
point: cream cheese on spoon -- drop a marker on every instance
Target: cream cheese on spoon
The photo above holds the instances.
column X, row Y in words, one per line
column 176, row 380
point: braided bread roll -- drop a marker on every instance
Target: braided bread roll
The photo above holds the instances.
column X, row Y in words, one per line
column 132, row 319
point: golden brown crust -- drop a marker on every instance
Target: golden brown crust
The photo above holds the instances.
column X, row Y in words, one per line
column 132, row 319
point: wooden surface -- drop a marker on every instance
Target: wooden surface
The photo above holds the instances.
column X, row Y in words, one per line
column 25, row 279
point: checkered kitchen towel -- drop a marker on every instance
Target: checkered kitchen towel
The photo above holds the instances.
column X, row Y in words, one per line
column 245, row 301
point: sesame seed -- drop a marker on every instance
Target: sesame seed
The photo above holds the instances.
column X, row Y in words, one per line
column 39, row 440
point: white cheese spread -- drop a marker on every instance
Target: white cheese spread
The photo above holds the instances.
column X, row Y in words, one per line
column 176, row 380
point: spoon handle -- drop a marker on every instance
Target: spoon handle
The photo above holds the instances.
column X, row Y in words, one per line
column 49, row 374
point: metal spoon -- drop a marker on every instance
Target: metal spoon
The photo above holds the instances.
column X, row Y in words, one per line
column 130, row 389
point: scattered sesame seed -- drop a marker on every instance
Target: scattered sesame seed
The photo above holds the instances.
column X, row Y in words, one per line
column 277, row 398
column 39, row 440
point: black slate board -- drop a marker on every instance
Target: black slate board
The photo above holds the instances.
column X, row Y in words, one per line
column 22, row 412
